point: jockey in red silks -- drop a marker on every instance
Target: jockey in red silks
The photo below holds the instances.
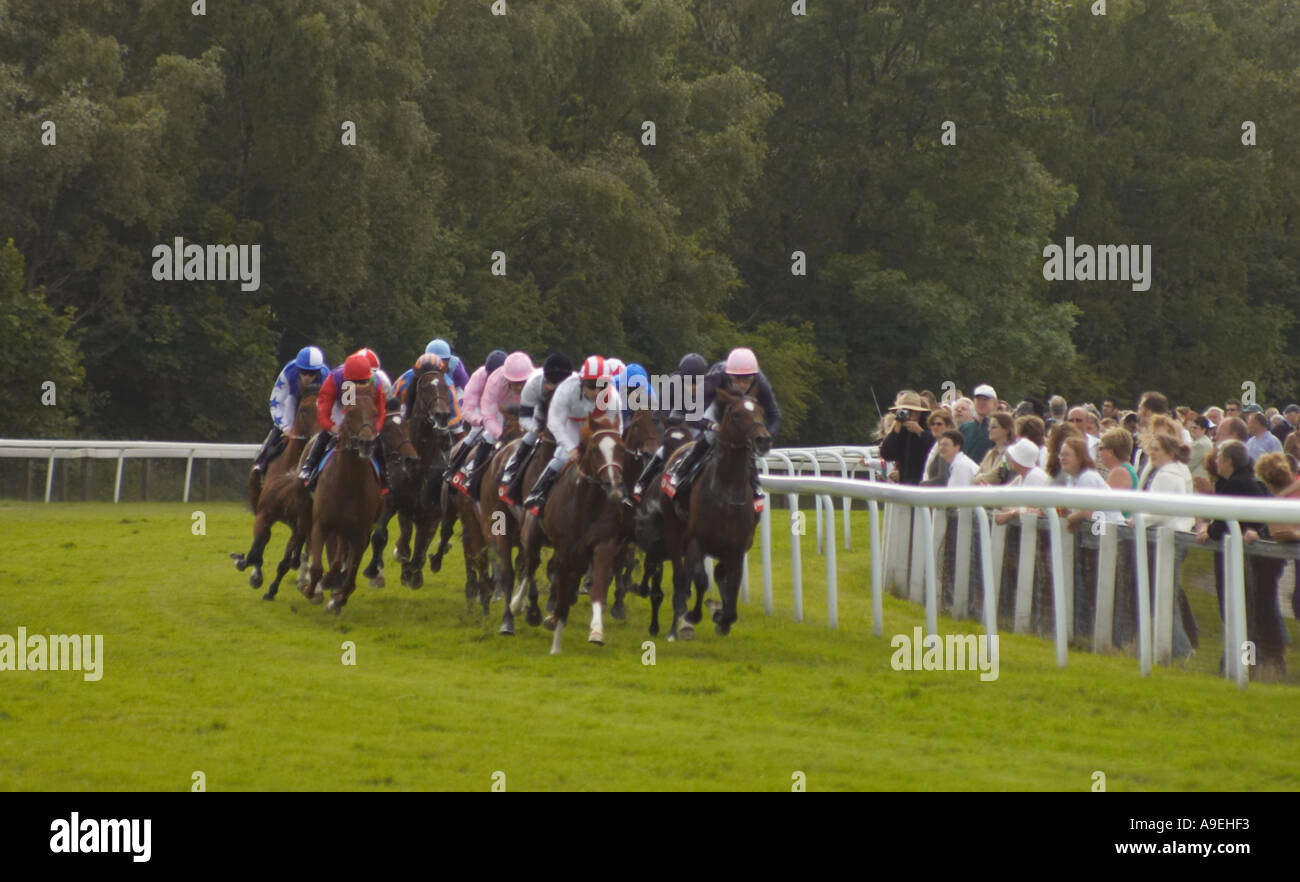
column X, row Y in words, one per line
column 329, row 413
column 500, row 393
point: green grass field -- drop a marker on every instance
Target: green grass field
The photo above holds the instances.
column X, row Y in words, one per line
column 200, row 674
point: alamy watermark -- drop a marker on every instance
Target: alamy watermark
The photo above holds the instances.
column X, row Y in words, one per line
column 57, row 652
column 953, row 652
column 1086, row 263
column 666, row 392
column 196, row 263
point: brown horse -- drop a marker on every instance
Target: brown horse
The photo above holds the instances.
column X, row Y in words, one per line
column 720, row 519
column 426, row 439
column 583, row 520
column 500, row 525
column 304, row 426
column 347, row 500
column 650, row 533
column 641, row 438
column 455, row 505
column 281, row 499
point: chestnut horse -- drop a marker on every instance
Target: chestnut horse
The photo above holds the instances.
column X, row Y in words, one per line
column 720, row 519
column 281, row 499
column 641, row 439
column 478, row 581
column 427, row 440
column 286, row 460
column 500, row 525
column 583, row 519
column 347, row 500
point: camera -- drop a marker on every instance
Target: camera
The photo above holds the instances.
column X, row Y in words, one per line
column 904, row 416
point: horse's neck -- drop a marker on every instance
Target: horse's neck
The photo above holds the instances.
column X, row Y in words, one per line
column 730, row 463
column 288, row 461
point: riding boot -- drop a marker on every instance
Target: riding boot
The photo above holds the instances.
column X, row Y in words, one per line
column 458, row 458
column 536, row 500
column 381, row 461
column 680, row 477
column 513, row 474
column 308, row 470
column 757, row 487
column 270, row 447
column 648, row 474
column 474, row 474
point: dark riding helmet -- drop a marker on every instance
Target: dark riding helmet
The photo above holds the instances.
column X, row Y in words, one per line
column 495, row 359
column 692, row 363
column 556, row 367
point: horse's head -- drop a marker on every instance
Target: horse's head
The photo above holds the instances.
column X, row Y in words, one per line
column 304, row 420
column 359, row 412
column 432, row 400
column 601, row 456
column 642, row 434
column 743, row 424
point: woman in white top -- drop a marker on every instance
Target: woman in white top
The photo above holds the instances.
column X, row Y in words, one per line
column 1168, row 474
column 1080, row 471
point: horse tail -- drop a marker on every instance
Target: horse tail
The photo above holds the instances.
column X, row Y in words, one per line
column 650, row 528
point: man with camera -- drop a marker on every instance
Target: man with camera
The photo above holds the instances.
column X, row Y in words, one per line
column 908, row 443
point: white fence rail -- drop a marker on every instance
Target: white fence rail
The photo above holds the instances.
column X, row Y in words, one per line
column 889, row 548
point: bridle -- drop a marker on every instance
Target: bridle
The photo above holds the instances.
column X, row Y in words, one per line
column 613, row 463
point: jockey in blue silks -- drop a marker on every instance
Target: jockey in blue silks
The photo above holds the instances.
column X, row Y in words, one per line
column 308, row 368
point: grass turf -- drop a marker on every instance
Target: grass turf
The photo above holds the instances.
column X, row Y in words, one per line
column 200, row 674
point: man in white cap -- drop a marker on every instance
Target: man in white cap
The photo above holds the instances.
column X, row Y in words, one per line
column 976, row 431
column 1023, row 457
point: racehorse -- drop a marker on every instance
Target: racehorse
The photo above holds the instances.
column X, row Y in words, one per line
column 650, row 534
column 426, row 437
column 500, row 525
column 478, row 581
column 286, row 458
column 719, row 517
column 583, row 519
column 347, row 500
column 641, row 439
column 281, row 499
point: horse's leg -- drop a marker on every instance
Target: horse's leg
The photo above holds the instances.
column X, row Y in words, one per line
column 701, row 580
column 681, row 593
column 350, row 551
column 402, row 551
column 622, row 565
column 601, row 564
column 727, row 575
column 654, row 588
column 295, row 541
column 447, row 513
column 565, row 587
column 378, row 542
column 413, row 567
column 312, row 589
column 506, row 579
column 262, row 524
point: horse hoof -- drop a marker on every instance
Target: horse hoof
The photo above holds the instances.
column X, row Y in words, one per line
column 270, row 595
column 435, row 563
column 316, row 599
column 618, row 611
column 377, row 581
column 400, row 556
column 498, row 595
column 534, row 617
column 550, row 604
column 555, row 650
column 549, row 623
column 692, row 617
column 506, row 630
column 596, row 637
column 717, row 615
column 672, row 638
column 654, row 630
column 255, row 580
column 416, row 582
column 240, row 563
column 687, row 632
column 722, row 629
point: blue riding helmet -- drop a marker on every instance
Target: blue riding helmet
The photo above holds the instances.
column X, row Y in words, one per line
column 310, row 358
column 438, row 347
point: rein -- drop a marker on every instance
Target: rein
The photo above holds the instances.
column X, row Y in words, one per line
column 590, row 479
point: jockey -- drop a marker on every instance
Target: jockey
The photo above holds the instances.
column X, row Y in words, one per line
column 741, row 375
column 457, row 376
column 691, row 369
column 534, row 403
column 575, row 398
column 469, row 408
column 633, row 385
column 307, row 368
column 329, row 413
column 405, row 391
column 500, row 393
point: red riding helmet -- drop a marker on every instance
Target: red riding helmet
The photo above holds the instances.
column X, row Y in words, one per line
column 356, row 368
column 371, row 358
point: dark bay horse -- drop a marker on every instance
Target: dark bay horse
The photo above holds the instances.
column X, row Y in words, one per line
column 281, row 498
column 650, row 533
column 583, row 520
column 720, row 519
column 501, row 531
column 347, row 501
column 427, row 440
column 641, row 438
